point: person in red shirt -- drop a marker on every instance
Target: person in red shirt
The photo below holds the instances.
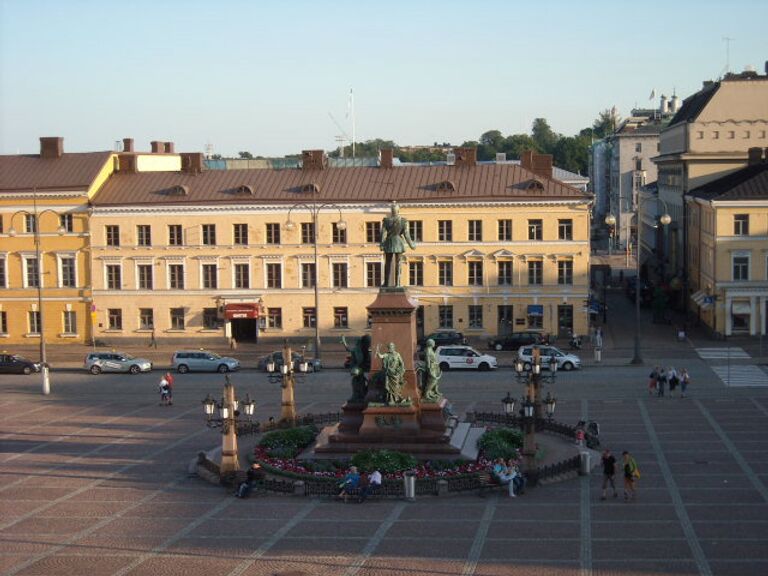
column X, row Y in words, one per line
column 169, row 379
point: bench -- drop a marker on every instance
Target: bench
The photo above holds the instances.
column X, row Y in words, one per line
column 489, row 481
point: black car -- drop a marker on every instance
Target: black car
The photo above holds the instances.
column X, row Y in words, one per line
column 515, row 340
column 444, row 337
column 12, row 364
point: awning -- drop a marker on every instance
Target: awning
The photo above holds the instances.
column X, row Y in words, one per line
column 703, row 300
column 535, row 310
column 741, row 308
column 238, row 311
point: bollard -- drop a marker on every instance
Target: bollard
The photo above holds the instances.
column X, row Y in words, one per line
column 598, row 354
column 584, row 463
column 442, row 487
column 409, row 486
column 298, row 488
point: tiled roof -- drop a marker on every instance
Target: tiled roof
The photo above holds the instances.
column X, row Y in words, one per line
column 404, row 184
column 70, row 171
column 750, row 183
column 561, row 174
column 694, row 104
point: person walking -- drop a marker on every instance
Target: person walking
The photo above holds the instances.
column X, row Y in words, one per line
column 609, row 470
column 673, row 380
column 653, row 379
column 661, row 382
column 169, row 378
column 163, row 389
column 631, row 474
column 685, row 379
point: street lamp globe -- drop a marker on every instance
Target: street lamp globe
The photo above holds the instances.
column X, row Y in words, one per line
column 341, row 225
column 61, row 230
column 12, row 232
column 209, row 405
column 665, row 219
column 509, row 404
column 519, row 366
column 610, row 220
column 289, row 225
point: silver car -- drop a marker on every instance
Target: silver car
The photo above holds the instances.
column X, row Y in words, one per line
column 98, row 362
column 184, row 361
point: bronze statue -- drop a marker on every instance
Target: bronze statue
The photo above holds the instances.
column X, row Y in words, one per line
column 359, row 364
column 432, row 374
column 393, row 369
column 394, row 237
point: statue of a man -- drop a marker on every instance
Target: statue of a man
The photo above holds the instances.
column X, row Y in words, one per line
column 432, row 373
column 359, row 364
column 394, row 238
column 393, row 368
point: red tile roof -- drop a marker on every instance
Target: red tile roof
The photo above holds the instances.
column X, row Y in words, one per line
column 362, row 184
column 71, row 171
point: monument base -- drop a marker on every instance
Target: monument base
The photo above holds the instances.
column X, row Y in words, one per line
column 351, row 418
column 433, row 416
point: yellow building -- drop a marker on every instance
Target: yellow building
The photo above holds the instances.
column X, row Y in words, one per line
column 728, row 249
column 195, row 255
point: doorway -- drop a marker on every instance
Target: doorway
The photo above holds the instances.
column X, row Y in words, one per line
column 505, row 325
column 245, row 329
column 564, row 320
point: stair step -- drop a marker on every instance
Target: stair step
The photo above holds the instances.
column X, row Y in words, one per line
column 469, row 449
column 460, row 434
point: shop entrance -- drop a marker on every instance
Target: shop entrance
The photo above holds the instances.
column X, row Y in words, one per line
column 504, row 326
column 245, row 330
column 564, row 320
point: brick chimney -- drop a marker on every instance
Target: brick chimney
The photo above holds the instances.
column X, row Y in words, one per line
column 127, row 144
column 313, row 159
column 157, row 146
column 754, row 156
column 539, row 164
column 386, row 158
column 126, row 162
column 169, row 148
column 466, row 156
column 192, row 162
column 51, row 147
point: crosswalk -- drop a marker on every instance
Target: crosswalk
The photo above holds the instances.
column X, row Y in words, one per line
column 741, row 375
column 723, row 353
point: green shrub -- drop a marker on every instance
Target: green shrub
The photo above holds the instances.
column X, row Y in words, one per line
column 500, row 443
column 288, row 443
column 385, row 461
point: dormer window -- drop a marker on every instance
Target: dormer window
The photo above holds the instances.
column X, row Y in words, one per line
column 245, row 190
column 535, row 185
column 446, row 186
column 310, row 188
column 179, row 190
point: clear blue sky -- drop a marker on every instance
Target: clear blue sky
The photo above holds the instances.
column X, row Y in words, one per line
column 262, row 76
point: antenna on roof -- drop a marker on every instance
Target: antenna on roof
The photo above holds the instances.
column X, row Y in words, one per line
column 351, row 115
column 208, row 149
column 727, row 41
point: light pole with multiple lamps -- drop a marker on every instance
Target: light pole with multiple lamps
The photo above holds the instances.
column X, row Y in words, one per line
column 314, row 209
column 12, row 232
column 286, row 377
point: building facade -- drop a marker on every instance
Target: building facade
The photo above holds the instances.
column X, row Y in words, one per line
column 219, row 254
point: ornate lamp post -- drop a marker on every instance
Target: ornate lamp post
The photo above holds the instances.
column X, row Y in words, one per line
column 286, row 377
column 314, row 209
column 12, row 232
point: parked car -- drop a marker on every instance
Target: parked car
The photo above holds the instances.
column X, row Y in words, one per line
column 13, row 364
column 646, row 291
column 564, row 361
column 313, row 364
column 515, row 340
column 444, row 337
column 98, row 362
column 184, row 361
column 454, row 357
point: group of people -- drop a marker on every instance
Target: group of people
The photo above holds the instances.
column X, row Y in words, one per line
column 631, row 475
column 359, row 485
column 508, row 473
column 165, row 388
column 661, row 378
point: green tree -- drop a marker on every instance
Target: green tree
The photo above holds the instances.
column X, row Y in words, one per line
column 515, row 145
column 544, row 137
column 493, row 139
column 606, row 123
column 245, row 155
column 571, row 153
column 367, row 149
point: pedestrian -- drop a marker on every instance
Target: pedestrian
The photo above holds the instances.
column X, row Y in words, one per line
column 152, row 340
column 371, row 486
column 661, row 382
column 653, row 379
column 631, row 475
column 350, row 483
column 599, row 337
column 163, row 388
column 169, row 378
column 253, row 477
column 673, row 380
column 609, row 470
column 685, row 379
column 580, row 434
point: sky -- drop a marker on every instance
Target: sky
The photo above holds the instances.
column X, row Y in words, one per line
column 264, row 76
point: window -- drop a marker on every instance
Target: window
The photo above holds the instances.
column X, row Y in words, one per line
column 114, row 277
column 177, row 318
column 209, row 234
column 30, row 223
column 274, row 276
column 114, row 319
column 176, row 277
column 505, row 230
column 209, row 276
column 445, row 230
column 67, row 275
column 145, row 274
column 535, row 229
column 638, row 147
column 372, row 232
column 1, row 224
column 242, row 276
column 3, row 322
column 565, row 272
column 373, row 274
column 210, row 319
column 144, row 235
column 34, row 321
column 307, row 275
column 741, row 224
column 740, row 268
column 339, row 275
column 638, row 164
column 445, row 273
column 308, row 317
column 505, row 273
column 340, row 317
column 535, row 271
column 565, row 229
column 32, row 272
column 445, row 316
column 475, row 316
column 475, row 276
column 69, row 322
column 416, row 230
column 113, row 235
column 273, row 233
column 175, row 235
column 66, row 221
column 3, row 274
column 146, row 319
column 307, row 232
column 275, row 318
column 338, row 235
column 240, row 234
column 535, row 321
column 416, row 273
column 475, row 231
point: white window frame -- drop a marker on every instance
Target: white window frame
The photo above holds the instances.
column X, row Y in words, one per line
column 24, row 279
column 273, row 260
column 331, row 263
column 374, row 260
column 171, row 262
column 64, row 330
column 143, row 262
column 741, row 254
column 59, row 268
column 106, row 275
column 203, row 261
